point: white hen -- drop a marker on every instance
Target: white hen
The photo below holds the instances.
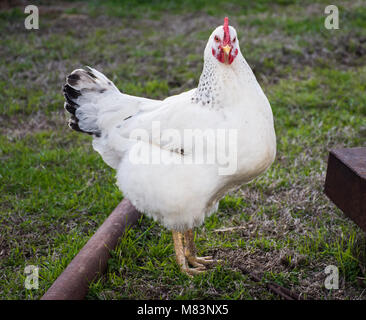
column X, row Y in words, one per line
column 176, row 158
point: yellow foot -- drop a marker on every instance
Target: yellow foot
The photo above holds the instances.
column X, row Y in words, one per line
column 199, row 261
column 192, row 271
column 190, row 252
column 185, row 251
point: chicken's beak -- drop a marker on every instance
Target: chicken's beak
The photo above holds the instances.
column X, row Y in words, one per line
column 226, row 50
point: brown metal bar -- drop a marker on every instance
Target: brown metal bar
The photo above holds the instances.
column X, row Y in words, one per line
column 91, row 261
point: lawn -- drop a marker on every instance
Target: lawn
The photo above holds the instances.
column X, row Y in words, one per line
column 55, row 191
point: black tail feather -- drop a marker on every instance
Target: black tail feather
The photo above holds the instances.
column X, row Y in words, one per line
column 70, row 108
column 83, row 79
column 74, row 124
column 70, row 93
column 70, row 105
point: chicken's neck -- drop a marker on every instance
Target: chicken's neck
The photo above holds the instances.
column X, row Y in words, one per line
column 221, row 85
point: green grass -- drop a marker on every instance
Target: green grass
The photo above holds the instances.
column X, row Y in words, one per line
column 55, row 190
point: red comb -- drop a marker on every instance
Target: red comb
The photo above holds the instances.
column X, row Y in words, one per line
column 226, row 24
column 226, row 30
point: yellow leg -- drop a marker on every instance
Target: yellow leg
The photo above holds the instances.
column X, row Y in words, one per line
column 180, row 255
column 190, row 251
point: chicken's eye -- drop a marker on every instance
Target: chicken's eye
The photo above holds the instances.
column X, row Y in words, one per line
column 234, row 39
column 217, row 39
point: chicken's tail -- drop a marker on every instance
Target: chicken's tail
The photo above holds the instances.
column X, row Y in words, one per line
column 86, row 91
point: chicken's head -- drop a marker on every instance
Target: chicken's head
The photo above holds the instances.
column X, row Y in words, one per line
column 224, row 43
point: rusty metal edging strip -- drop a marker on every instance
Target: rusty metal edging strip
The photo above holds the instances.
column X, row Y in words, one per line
column 91, row 261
